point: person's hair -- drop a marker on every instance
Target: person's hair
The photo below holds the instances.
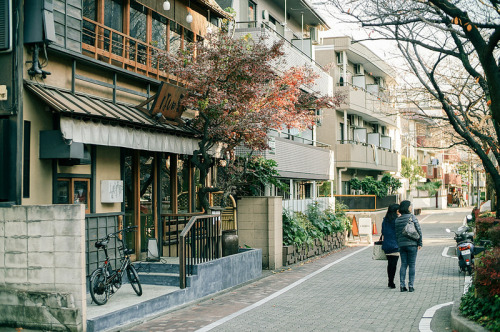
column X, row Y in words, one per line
column 404, row 207
column 392, row 212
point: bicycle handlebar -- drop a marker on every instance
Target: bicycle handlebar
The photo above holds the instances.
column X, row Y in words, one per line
column 126, row 229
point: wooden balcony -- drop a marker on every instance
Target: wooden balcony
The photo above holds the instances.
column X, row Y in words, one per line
column 116, row 48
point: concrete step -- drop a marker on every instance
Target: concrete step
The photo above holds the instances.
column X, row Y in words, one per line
column 166, row 279
column 156, row 267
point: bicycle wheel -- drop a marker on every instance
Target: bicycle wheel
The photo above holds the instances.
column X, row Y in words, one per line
column 99, row 290
column 133, row 278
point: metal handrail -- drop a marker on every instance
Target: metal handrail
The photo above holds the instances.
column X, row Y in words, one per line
column 294, row 137
column 350, row 141
column 270, row 29
column 204, row 235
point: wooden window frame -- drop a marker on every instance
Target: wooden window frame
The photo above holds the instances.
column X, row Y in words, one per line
column 71, row 189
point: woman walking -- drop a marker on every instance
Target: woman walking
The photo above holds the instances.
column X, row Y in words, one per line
column 390, row 244
column 408, row 247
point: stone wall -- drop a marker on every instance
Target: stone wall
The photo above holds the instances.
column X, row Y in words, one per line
column 294, row 254
column 42, row 267
column 260, row 226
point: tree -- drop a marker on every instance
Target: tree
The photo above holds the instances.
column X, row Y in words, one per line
column 452, row 49
column 410, row 170
column 239, row 96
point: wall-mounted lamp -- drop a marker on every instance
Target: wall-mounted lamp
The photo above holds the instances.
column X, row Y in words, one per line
column 189, row 17
column 166, row 5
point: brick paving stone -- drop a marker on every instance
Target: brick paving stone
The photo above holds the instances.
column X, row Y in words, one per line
column 351, row 295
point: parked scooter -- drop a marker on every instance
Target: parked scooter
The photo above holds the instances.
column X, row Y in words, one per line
column 466, row 250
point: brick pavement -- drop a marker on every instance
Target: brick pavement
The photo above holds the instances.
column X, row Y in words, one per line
column 351, row 295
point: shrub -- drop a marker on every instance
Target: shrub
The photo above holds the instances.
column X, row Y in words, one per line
column 485, row 311
column 300, row 228
column 294, row 230
column 494, row 235
column 487, row 270
column 483, row 225
column 319, row 219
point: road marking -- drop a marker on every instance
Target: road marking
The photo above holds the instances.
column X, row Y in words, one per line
column 445, row 253
column 425, row 322
column 420, row 221
column 467, row 283
column 278, row 293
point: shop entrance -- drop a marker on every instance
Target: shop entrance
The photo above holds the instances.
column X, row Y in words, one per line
column 157, row 186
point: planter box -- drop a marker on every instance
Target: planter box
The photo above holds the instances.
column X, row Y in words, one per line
column 293, row 254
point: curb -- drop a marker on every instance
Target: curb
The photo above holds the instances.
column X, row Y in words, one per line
column 461, row 323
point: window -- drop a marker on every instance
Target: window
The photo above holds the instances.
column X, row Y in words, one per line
column 113, row 18
column 340, row 58
column 175, row 37
column 138, row 20
column 90, row 12
column 73, row 191
column 26, row 159
column 113, row 14
column 252, row 11
column 159, row 31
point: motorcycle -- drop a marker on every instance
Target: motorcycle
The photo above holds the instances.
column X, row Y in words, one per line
column 466, row 250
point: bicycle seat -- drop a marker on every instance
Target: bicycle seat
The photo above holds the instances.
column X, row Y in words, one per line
column 101, row 244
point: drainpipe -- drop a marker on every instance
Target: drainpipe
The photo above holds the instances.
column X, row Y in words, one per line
column 345, row 127
column 339, row 182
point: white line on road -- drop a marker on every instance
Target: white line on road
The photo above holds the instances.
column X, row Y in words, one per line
column 445, row 253
column 427, row 216
column 425, row 322
column 278, row 293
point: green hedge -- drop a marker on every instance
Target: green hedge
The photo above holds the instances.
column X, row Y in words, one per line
column 303, row 228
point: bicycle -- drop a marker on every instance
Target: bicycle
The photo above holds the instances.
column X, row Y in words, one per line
column 104, row 281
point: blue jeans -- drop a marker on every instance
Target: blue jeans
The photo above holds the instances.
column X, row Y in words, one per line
column 408, row 258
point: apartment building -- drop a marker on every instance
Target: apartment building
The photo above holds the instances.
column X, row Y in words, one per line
column 364, row 131
column 304, row 163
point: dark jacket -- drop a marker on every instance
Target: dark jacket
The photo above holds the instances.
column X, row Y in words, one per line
column 404, row 241
column 390, row 244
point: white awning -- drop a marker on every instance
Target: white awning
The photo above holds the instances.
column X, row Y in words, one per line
column 97, row 133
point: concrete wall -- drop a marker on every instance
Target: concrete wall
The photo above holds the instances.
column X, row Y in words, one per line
column 260, row 226
column 429, row 202
column 42, row 267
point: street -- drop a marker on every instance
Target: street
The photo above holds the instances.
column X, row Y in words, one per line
column 342, row 291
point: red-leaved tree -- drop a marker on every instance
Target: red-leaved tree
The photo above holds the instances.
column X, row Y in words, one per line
column 239, row 96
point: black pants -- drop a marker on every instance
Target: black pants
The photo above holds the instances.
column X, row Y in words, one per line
column 392, row 262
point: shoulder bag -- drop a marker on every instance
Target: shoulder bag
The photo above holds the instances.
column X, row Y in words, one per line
column 378, row 253
column 410, row 230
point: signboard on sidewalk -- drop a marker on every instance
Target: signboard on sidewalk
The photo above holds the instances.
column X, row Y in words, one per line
column 365, row 226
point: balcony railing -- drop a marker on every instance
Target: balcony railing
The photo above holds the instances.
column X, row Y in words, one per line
column 365, row 156
column 294, row 56
column 119, row 49
column 366, row 102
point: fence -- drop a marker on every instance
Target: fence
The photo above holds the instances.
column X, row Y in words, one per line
column 365, row 202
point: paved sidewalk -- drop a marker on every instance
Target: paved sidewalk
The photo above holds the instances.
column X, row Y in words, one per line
column 351, row 294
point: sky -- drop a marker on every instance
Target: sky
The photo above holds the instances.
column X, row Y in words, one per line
column 355, row 31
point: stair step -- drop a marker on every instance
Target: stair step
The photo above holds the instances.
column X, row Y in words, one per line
column 159, row 267
column 167, row 279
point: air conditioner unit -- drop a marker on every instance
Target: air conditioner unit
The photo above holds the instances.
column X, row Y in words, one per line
column 358, row 69
column 314, row 35
column 5, row 26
